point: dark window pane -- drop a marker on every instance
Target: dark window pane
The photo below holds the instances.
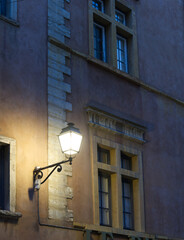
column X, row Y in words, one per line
column 128, row 205
column 98, row 4
column 122, row 56
column 4, row 176
column 106, row 217
column 127, row 201
column 99, row 42
column 103, row 155
column 126, row 189
column 128, row 221
column 3, row 7
column 126, row 161
column 1, row 177
column 104, row 199
column 120, row 17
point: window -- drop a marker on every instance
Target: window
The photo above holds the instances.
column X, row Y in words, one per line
column 104, row 199
column 8, row 9
column 117, row 175
column 5, row 7
column 120, row 17
column 103, row 155
column 4, row 176
column 7, row 174
column 99, row 42
column 122, row 54
column 98, row 4
column 127, row 202
column 126, row 161
column 112, row 35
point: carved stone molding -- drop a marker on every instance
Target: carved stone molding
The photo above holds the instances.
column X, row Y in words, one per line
column 115, row 125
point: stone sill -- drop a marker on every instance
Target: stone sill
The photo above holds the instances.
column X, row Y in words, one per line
column 122, row 232
column 135, row 80
column 5, row 214
column 10, row 21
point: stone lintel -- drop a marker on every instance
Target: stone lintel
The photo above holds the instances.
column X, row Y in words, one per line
column 116, row 125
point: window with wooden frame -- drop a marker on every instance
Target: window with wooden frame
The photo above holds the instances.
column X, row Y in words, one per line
column 98, row 4
column 103, row 155
column 99, row 42
column 117, row 172
column 120, row 17
column 114, row 39
column 4, row 176
column 7, row 174
column 126, row 161
column 119, row 189
column 104, row 184
column 122, row 55
column 127, row 202
column 8, row 9
column 114, row 163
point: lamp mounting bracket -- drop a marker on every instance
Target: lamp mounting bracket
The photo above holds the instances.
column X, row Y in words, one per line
column 38, row 172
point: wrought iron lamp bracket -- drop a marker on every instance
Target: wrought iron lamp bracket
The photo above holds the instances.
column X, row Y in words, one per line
column 38, row 172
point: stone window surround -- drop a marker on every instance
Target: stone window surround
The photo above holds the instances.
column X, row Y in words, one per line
column 134, row 134
column 113, row 28
column 10, row 213
column 116, row 173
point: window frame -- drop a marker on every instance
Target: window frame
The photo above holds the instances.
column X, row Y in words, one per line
column 10, row 206
column 103, row 40
column 4, row 176
column 125, row 212
column 102, row 5
column 123, row 164
column 118, row 12
column 115, row 172
column 106, row 151
column 10, row 8
column 101, row 192
column 112, row 27
column 120, row 61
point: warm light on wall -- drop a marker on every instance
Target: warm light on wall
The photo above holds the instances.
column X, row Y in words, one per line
column 70, row 140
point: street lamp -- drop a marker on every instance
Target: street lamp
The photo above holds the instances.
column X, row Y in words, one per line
column 70, row 140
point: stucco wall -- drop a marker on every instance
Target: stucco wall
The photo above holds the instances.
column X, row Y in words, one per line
column 160, row 47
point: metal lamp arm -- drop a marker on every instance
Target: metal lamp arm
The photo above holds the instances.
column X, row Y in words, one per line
column 38, row 172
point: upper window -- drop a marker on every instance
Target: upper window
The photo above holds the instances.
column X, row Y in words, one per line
column 98, row 4
column 103, row 155
column 120, row 16
column 122, row 57
column 8, row 8
column 126, row 161
column 117, row 23
column 99, row 42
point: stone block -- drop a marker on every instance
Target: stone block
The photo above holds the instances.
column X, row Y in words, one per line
column 59, row 58
column 59, row 85
column 59, row 67
column 58, row 50
column 52, row 111
column 53, row 91
column 59, row 103
column 55, row 74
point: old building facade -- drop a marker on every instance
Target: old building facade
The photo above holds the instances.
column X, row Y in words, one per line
column 114, row 68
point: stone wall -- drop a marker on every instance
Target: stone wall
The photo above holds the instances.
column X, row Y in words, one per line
column 58, row 189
